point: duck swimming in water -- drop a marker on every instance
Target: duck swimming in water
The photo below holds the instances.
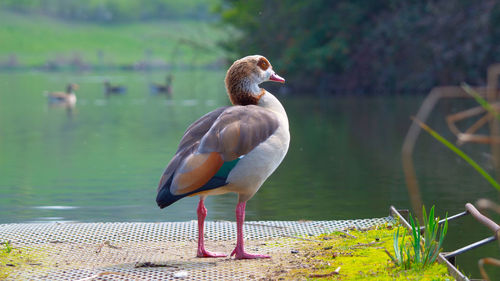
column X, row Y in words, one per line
column 67, row 98
column 111, row 90
column 165, row 89
column 231, row 149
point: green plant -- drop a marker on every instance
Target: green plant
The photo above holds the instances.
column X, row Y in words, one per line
column 459, row 152
column 420, row 252
column 8, row 247
column 484, row 103
column 402, row 253
column 434, row 236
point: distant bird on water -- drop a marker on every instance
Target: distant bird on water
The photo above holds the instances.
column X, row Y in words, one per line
column 231, row 149
column 64, row 98
column 165, row 89
column 110, row 90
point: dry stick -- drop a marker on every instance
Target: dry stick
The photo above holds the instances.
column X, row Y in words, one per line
column 389, row 254
column 482, row 139
column 101, row 274
column 365, row 244
column 335, row 272
column 469, row 135
column 99, row 248
column 458, row 152
column 479, row 123
column 485, row 204
column 455, row 117
column 256, row 224
column 58, row 242
column 151, row 264
column 490, row 261
column 106, row 243
column 411, row 138
column 346, row 233
column 265, row 225
column 300, row 238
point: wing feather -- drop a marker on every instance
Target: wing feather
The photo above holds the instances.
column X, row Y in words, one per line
column 220, row 136
column 189, row 143
column 195, row 171
column 238, row 131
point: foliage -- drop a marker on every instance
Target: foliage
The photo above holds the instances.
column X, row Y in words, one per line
column 402, row 253
column 7, row 247
column 434, row 236
column 368, row 46
column 423, row 252
column 460, row 153
column 298, row 36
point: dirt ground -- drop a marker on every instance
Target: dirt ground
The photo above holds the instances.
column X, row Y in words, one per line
column 160, row 261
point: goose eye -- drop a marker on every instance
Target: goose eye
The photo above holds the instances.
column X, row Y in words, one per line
column 263, row 64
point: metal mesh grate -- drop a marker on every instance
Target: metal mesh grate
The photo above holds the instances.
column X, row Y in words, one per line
column 123, row 251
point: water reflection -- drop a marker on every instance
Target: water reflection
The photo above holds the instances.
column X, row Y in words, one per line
column 55, row 207
column 103, row 163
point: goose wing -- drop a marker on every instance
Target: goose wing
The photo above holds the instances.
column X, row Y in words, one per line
column 57, row 95
column 219, row 137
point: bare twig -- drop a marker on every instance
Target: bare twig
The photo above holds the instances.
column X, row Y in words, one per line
column 299, row 238
column 106, row 243
column 256, row 224
column 265, row 225
column 390, row 256
column 151, row 264
column 346, row 233
column 365, row 244
column 101, row 274
column 335, row 272
column 490, row 261
column 485, row 204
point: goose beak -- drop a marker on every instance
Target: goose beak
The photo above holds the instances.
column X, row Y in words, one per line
column 276, row 78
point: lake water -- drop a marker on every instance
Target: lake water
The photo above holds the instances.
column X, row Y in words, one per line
column 102, row 161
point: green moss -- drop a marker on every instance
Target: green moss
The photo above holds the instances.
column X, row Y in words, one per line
column 18, row 259
column 360, row 257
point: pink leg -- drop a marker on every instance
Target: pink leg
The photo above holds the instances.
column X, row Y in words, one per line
column 239, row 251
column 202, row 214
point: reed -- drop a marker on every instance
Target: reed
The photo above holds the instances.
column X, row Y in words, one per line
column 460, row 153
column 419, row 252
column 479, row 99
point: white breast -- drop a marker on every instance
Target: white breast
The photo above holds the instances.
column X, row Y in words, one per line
column 255, row 167
column 71, row 100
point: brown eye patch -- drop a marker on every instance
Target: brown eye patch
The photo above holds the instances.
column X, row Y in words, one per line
column 263, row 64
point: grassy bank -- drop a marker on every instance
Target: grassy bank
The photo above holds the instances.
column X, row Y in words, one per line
column 37, row 40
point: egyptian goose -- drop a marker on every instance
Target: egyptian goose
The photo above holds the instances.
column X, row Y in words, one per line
column 108, row 89
column 165, row 89
column 231, row 149
column 67, row 98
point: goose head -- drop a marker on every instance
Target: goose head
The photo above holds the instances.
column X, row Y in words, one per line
column 245, row 75
column 71, row 88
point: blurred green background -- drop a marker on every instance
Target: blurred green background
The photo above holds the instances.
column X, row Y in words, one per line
column 355, row 70
column 343, row 47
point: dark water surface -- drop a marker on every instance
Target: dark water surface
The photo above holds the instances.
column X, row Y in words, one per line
column 102, row 161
